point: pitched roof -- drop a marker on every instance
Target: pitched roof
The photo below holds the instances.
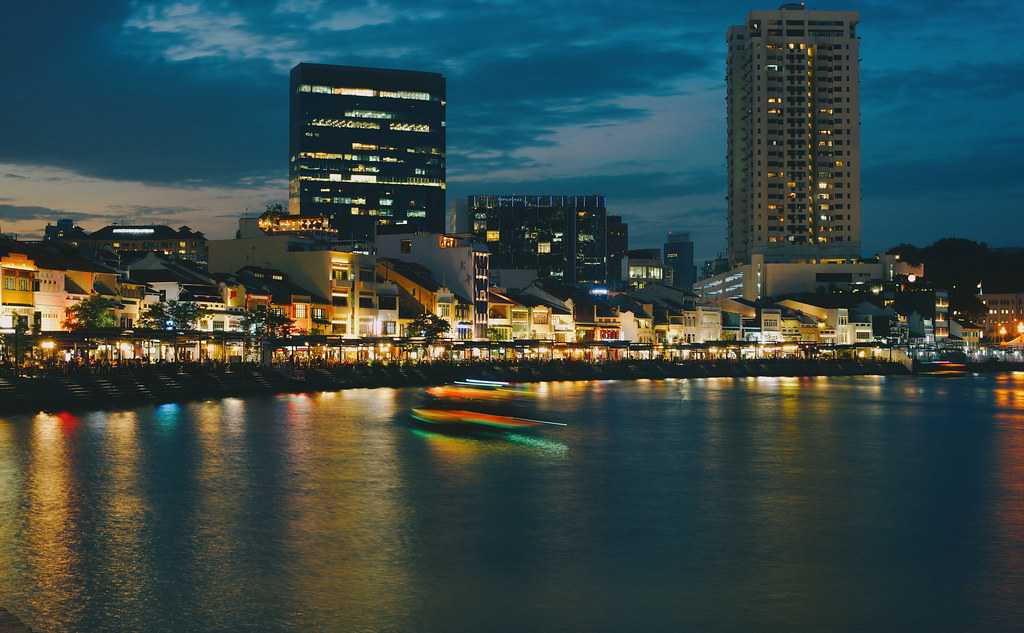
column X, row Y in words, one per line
column 73, row 288
column 274, row 283
column 494, row 296
column 415, row 273
column 53, row 256
column 144, row 232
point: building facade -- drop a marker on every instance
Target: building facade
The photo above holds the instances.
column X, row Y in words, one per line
column 367, row 149
column 793, row 154
column 618, row 244
column 678, row 255
column 1004, row 312
column 360, row 305
column 761, row 279
column 561, row 237
column 460, row 263
column 641, row 267
column 125, row 239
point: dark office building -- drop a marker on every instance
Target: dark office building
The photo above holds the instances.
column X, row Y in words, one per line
column 679, row 268
column 618, row 244
column 561, row 237
column 367, row 149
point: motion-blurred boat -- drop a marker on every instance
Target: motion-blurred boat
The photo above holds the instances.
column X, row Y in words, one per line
column 481, row 405
column 465, row 420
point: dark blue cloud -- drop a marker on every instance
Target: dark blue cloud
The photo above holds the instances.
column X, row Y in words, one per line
column 194, row 93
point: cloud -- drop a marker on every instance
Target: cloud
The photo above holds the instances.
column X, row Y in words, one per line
column 18, row 213
column 298, row 6
column 622, row 187
column 186, row 32
column 368, row 14
column 191, row 96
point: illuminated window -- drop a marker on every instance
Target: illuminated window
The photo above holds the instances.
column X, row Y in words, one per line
column 410, row 127
column 543, row 247
column 369, row 114
column 493, row 236
column 345, row 123
column 404, row 94
column 300, row 310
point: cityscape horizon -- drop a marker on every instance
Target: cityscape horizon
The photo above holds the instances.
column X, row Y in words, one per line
column 489, row 316
column 690, row 198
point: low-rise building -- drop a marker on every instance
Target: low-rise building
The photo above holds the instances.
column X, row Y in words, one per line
column 458, row 262
column 124, row 239
column 433, row 297
column 361, row 305
column 765, row 279
column 1003, row 312
column 641, row 267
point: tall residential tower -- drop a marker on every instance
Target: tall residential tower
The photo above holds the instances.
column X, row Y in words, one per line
column 794, row 136
column 367, row 149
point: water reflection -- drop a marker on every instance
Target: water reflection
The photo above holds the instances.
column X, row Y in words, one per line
column 796, row 503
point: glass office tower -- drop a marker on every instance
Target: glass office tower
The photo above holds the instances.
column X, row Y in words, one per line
column 561, row 237
column 367, row 149
column 679, row 268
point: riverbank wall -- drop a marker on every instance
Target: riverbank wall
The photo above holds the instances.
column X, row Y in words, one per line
column 120, row 388
column 11, row 624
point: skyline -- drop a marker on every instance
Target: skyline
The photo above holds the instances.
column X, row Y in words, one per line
column 178, row 112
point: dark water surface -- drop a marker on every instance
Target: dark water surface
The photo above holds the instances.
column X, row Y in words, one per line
column 771, row 504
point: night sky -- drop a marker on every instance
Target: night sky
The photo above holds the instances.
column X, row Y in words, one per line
column 177, row 112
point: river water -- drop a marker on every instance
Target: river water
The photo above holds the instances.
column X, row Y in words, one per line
column 758, row 504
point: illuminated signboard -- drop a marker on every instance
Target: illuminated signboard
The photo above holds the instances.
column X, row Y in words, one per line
column 135, row 231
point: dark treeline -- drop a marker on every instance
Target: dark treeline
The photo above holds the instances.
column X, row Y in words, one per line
column 958, row 265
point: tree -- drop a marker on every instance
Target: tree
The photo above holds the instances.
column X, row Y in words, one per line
column 429, row 326
column 263, row 323
column 91, row 313
column 184, row 314
column 155, row 317
column 173, row 315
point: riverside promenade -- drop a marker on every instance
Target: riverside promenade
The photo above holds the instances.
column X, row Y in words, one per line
column 129, row 386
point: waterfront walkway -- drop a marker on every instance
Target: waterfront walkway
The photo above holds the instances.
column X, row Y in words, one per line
column 11, row 624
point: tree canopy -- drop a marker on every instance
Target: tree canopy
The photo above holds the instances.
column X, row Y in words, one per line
column 93, row 312
column 429, row 326
column 959, row 265
column 172, row 315
column 263, row 323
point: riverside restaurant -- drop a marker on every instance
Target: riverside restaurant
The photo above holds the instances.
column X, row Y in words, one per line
column 124, row 346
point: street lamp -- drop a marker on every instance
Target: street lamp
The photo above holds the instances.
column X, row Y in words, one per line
column 1020, row 328
column 1002, row 332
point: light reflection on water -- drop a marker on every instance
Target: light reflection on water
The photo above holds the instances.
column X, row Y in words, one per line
column 712, row 504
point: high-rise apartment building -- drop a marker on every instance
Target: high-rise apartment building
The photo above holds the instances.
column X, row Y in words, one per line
column 367, row 149
column 794, row 135
column 679, row 269
column 561, row 237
